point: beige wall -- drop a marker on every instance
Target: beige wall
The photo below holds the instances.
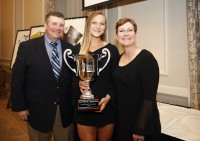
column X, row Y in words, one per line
column 17, row 16
column 162, row 29
column 33, row 13
column 7, row 28
column 0, row 28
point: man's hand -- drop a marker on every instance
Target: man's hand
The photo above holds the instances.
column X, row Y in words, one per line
column 138, row 137
column 23, row 115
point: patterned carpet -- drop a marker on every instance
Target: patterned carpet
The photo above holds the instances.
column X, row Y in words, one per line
column 11, row 127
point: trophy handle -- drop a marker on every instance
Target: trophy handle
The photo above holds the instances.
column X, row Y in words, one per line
column 69, row 55
column 105, row 52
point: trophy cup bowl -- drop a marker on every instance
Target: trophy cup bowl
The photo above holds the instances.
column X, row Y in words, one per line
column 87, row 69
column 86, row 66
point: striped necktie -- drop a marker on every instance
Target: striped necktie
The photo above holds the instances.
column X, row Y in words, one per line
column 55, row 61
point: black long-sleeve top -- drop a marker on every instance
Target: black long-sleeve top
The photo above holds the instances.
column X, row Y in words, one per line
column 136, row 87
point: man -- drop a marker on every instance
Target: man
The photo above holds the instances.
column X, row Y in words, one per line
column 41, row 86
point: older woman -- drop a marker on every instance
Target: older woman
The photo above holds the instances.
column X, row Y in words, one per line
column 136, row 81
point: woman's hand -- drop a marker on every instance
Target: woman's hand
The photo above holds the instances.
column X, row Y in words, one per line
column 138, row 137
column 84, row 86
column 104, row 102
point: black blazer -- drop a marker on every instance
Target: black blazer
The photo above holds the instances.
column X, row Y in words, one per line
column 34, row 87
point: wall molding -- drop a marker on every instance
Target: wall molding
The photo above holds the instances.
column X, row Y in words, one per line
column 5, row 63
column 176, row 91
column 164, row 71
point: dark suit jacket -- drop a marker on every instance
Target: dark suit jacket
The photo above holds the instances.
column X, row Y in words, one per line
column 34, row 87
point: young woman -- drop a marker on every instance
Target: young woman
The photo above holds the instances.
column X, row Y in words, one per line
column 99, row 125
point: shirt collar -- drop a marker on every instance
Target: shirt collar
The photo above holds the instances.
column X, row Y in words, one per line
column 48, row 41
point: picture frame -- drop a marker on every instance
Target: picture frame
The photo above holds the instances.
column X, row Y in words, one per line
column 87, row 4
column 74, row 29
column 21, row 35
column 36, row 31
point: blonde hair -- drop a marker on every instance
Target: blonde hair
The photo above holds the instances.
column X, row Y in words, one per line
column 87, row 33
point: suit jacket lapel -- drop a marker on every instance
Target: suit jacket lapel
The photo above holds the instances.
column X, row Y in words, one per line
column 42, row 53
column 63, row 63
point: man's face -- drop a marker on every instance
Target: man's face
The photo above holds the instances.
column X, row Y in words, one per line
column 54, row 28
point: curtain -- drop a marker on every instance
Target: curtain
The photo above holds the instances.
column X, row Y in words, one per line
column 193, row 13
column 50, row 6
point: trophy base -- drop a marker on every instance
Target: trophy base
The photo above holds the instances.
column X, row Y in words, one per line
column 88, row 105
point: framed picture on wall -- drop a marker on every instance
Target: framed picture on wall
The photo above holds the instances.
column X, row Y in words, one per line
column 87, row 4
column 21, row 35
column 74, row 29
column 36, row 31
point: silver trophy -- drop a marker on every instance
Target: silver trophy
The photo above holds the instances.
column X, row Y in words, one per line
column 87, row 68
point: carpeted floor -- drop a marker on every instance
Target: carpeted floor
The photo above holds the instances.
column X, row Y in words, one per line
column 11, row 127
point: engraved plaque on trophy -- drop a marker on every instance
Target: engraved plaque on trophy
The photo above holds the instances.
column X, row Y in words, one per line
column 87, row 69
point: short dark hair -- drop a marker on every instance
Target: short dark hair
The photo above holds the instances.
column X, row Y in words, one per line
column 55, row 14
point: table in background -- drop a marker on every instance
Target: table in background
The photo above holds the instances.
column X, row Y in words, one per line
column 180, row 122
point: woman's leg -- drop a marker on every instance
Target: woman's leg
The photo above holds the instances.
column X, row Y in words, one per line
column 105, row 133
column 86, row 133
